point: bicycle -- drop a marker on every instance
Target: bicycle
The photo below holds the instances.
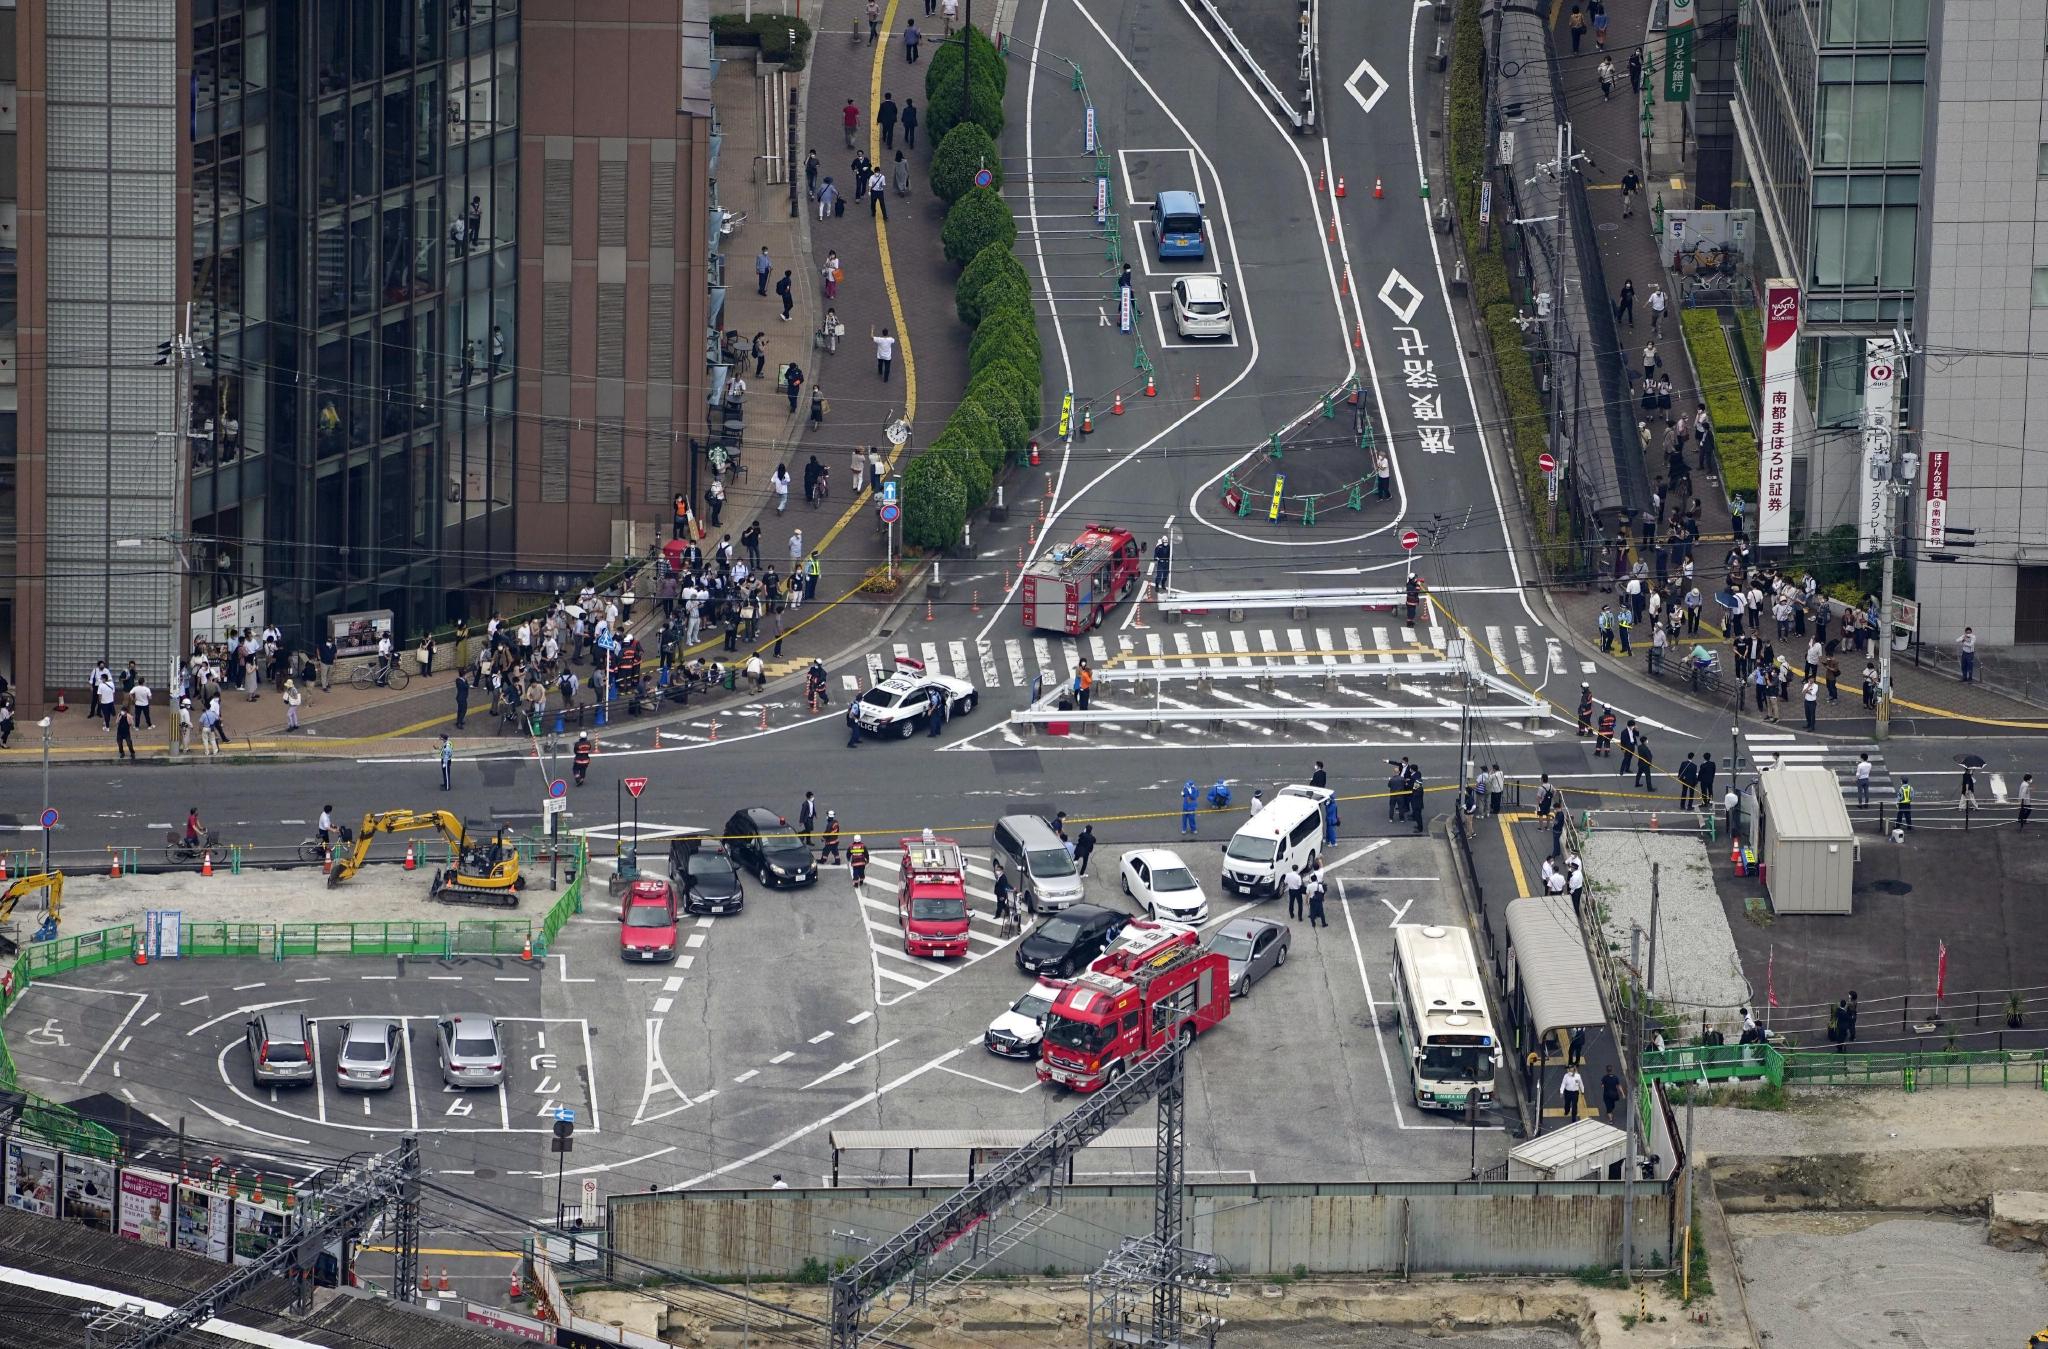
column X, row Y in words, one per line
column 367, row 674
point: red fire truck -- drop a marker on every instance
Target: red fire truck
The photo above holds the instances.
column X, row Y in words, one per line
column 931, row 897
column 1155, row 983
column 1068, row 589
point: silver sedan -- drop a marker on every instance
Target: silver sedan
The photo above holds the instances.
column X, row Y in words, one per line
column 368, row 1058
column 1254, row 947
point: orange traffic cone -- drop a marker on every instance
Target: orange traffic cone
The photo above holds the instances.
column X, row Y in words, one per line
column 326, row 861
column 141, row 956
column 1321, row 182
column 657, row 737
column 61, row 706
column 975, row 604
column 426, row 1282
column 1034, row 453
column 927, row 608
column 412, row 861
column 1734, row 850
column 114, row 872
column 1198, row 388
column 1116, row 409
column 1344, row 282
column 206, row 864
column 517, row 1290
column 443, row 1286
column 1378, row 190
column 1333, row 230
column 1653, row 819
column 1340, row 185
column 1358, row 337
column 1088, row 414
column 3, row 866
column 714, row 727
column 1151, row 389
column 526, row 949
column 764, row 719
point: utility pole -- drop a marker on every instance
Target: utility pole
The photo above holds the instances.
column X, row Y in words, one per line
column 1631, row 1061
column 1883, row 729
column 178, row 353
column 1650, row 974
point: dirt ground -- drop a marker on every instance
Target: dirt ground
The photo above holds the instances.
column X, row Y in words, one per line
column 1351, row 1333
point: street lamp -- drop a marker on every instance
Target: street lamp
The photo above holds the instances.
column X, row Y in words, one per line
column 45, row 725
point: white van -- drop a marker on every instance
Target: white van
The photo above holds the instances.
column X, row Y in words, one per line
column 1287, row 832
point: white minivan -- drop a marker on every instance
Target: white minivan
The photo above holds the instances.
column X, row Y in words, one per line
column 1287, row 832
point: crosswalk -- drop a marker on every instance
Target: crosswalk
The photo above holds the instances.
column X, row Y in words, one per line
column 898, row 974
column 1016, row 662
column 1770, row 749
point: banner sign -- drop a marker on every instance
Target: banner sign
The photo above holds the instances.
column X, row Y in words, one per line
column 1781, row 386
column 1880, row 419
column 1678, row 38
column 1937, row 499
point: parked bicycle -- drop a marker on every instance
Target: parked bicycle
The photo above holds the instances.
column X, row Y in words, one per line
column 372, row 672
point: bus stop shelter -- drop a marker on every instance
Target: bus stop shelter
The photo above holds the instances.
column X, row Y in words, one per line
column 1551, row 988
column 978, row 1144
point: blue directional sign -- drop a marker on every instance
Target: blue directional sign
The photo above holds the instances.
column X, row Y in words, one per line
column 564, row 1115
column 889, row 490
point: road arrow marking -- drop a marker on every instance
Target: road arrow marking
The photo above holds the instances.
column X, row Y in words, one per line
column 1397, row 282
column 1366, row 101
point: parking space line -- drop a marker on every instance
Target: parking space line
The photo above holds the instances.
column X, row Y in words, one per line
column 201, row 998
column 504, row 1109
column 446, row 978
column 372, row 978
column 512, row 979
column 320, row 1086
column 894, row 977
column 412, row 1094
column 784, row 1057
column 820, row 1037
column 590, row 1070
column 316, row 979
column 140, row 998
column 748, row 1075
column 146, row 1020
column 244, row 988
column 859, row 1017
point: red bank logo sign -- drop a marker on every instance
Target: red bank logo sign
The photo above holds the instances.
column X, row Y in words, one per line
column 1781, row 388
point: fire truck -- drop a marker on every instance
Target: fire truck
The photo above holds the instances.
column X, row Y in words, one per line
column 931, row 897
column 1068, row 589
column 1154, row 984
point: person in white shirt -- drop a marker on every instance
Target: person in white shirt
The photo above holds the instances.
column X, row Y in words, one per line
column 1573, row 1086
column 383, row 655
column 885, row 353
column 2026, row 799
column 1863, row 781
column 142, row 695
column 1555, row 882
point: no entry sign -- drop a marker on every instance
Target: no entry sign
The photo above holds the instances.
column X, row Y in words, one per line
column 1410, row 541
column 1547, row 462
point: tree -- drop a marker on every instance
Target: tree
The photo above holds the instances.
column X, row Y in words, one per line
column 1007, row 293
column 982, row 54
column 1000, row 407
column 1019, row 382
column 934, row 503
column 989, row 264
column 1003, row 335
column 943, row 109
column 966, row 150
column 977, row 220
column 971, row 466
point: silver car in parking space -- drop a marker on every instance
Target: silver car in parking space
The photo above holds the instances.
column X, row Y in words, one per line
column 1254, row 947
column 368, row 1057
column 470, row 1051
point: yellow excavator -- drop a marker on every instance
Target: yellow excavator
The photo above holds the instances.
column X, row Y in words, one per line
column 53, row 881
column 483, row 873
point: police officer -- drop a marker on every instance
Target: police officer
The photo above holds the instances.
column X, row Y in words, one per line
column 1906, row 804
column 1188, row 797
column 857, row 860
column 582, row 757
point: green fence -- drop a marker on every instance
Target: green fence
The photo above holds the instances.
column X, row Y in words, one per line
column 227, row 939
column 1910, row 1071
column 570, row 903
column 41, row 960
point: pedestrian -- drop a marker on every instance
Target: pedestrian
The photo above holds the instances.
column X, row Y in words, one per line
column 1610, row 1092
column 1849, row 1018
column 831, row 274
column 849, row 118
column 1659, row 302
column 1812, row 696
column 878, row 194
column 885, row 352
column 885, row 120
column 1084, row 684
column 1606, row 66
column 1630, row 185
column 580, row 757
column 1496, row 789
column 1635, row 70
column 1966, row 651
column 810, row 175
column 1397, row 789
column 908, row 121
column 139, row 698
column 1688, row 781
column 807, row 817
column 1572, row 1086
column 857, row 861
column 1578, row 27
column 1296, row 889
column 1415, row 801
column 447, row 764
column 1575, row 1052
column 911, row 37
column 763, row 265
column 1966, row 793
column 1084, row 847
column 1646, row 765
column 829, row 203
column 1316, row 894
column 951, row 10
column 786, row 289
column 902, row 175
column 2026, row 799
column 292, row 699
column 461, row 699
column 1625, row 303
column 819, row 407
column 1383, row 475
column 124, row 733
column 1905, row 803
column 793, row 383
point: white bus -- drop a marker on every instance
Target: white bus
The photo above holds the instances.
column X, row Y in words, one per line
column 1445, row 1029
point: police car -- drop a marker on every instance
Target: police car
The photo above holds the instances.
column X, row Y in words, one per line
column 901, row 702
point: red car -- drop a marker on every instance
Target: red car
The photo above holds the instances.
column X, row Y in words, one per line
column 647, row 921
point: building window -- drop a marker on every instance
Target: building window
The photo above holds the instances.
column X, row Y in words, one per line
column 1840, row 381
column 1874, row 23
column 2041, row 159
column 1871, row 110
column 1865, row 231
column 2041, row 288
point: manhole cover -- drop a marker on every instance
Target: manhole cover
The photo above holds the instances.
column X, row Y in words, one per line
column 1892, row 887
column 1607, row 226
column 484, row 1173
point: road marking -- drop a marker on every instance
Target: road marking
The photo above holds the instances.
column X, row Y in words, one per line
column 1032, row 1085
column 784, row 1057
column 234, row 1123
column 857, row 1018
column 512, row 979
column 201, row 998
column 661, row 1005
column 748, row 1075
column 820, row 1037
column 1365, row 71
column 140, row 998
column 375, row 978
column 315, row 979
column 696, row 940
column 846, row 1067
column 673, row 984
column 446, row 978
column 244, row 988
column 240, row 1011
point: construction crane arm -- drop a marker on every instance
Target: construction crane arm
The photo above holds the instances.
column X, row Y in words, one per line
column 53, row 881
column 347, row 863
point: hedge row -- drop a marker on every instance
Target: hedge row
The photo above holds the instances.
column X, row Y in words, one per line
column 987, row 79
column 770, row 32
column 1721, row 389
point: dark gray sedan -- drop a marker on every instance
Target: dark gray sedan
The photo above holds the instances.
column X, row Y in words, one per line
column 1254, row 947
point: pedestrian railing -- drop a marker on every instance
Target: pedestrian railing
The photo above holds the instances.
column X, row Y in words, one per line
column 1910, row 1071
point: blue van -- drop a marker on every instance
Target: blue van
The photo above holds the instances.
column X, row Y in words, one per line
column 1177, row 220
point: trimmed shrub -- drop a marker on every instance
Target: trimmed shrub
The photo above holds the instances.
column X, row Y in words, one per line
column 1007, row 398
column 769, row 32
column 981, row 50
column 971, row 466
column 1003, row 335
column 987, row 266
column 973, row 427
column 1021, row 382
column 942, row 67
column 1000, row 406
column 1735, row 442
column 943, row 108
column 978, row 219
column 934, row 503
column 1006, row 297
column 966, row 150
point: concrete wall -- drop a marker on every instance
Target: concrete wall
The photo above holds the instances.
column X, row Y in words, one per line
column 1495, row 1227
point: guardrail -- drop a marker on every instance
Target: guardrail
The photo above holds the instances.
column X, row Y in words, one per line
column 1235, row 602
column 1039, row 716
column 1267, row 668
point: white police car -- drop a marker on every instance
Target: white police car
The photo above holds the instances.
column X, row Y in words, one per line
column 900, row 703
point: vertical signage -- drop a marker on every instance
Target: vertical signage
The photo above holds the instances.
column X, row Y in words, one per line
column 1781, row 386
column 1088, row 130
column 1101, row 199
column 1937, row 499
column 1880, row 420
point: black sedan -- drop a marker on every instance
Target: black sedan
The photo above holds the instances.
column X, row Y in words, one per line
column 764, row 843
column 1064, row 944
column 708, row 879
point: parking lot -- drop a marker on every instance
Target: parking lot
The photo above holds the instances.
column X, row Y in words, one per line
column 771, row 1028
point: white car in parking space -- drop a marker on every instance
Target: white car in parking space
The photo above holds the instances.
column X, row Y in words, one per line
column 1163, row 887
column 1201, row 307
column 1017, row 1033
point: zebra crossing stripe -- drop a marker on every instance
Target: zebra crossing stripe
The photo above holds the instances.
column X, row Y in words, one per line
column 874, row 667
column 1381, row 641
column 1186, row 648
column 1297, row 644
column 1241, row 645
column 1494, row 647
column 1013, row 651
column 990, row 676
column 1098, row 650
column 1528, row 656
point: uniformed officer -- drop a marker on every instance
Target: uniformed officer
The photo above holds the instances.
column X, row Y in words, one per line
column 1905, row 803
column 582, row 757
column 831, row 848
column 857, row 860
column 1188, row 797
column 1585, row 709
column 1603, row 744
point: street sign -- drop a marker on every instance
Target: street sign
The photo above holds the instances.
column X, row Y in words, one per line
column 1410, row 541
column 983, row 178
column 558, row 788
column 891, row 512
column 889, row 489
column 552, row 806
column 635, row 786
column 589, row 1199
column 50, row 818
column 564, row 1115
column 1547, row 462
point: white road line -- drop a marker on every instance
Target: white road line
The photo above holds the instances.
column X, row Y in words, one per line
column 748, row 1075
column 201, row 998
column 662, row 1005
column 858, row 1018
column 673, row 984
column 650, row 1087
column 820, row 1037
column 784, row 1057
column 847, row 1066
column 1032, row 1085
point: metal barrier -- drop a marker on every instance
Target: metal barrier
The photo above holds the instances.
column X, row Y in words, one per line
column 1235, row 602
column 1911, row 1072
